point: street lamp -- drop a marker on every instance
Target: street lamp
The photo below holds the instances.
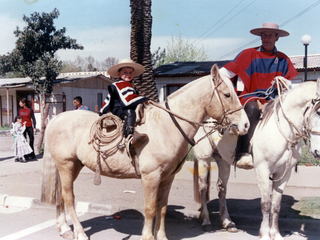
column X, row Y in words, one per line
column 306, row 39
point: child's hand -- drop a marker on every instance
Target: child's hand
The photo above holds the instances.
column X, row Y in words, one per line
column 24, row 123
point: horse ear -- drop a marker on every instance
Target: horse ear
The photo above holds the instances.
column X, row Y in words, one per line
column 215, row 71
column 318, row 87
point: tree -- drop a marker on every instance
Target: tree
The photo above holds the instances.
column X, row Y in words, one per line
column 109, row 62
column 34, row 53
column 179, row 50
column 69, row 66
column 158, row 57
column 141, row 23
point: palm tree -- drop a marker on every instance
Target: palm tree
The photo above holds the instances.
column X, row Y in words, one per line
column 141, row 23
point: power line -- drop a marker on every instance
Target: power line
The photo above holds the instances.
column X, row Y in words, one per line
column 281, row 25
column 229, row 19
column 218, row 21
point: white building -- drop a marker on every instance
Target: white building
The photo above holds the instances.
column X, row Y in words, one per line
column 91, row 86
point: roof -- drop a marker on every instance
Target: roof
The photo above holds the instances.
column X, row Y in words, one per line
column 313, row 62
column 62, row 78
column 203, row 68
column 187, row 68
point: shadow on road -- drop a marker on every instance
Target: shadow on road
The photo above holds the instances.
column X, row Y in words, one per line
column 247, row 216
column 245, row 213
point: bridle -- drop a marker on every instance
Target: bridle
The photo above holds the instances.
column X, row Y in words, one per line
column 225, row 114
column 213, row 128
column 304, row 133
column 315, row 104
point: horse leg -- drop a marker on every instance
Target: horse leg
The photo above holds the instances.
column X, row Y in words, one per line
column 277, row 191
column 150, row 184
column 224, row 173
column 262, row 172
column 201, row 184
column 162, row 203
column 68, row 173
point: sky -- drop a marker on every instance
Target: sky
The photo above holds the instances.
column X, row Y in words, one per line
column 220, row 27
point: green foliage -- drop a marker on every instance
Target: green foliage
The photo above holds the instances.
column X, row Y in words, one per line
column 158, row 57
column 34, row 54
column 307, row 158
column 40, row 37
column 178, row 50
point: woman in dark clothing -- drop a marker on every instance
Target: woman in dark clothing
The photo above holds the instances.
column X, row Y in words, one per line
column 27, row 115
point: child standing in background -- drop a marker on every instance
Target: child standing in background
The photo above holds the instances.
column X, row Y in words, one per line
column 20, row 144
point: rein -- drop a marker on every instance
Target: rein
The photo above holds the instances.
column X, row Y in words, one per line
column 213, row 128
column 191, row 142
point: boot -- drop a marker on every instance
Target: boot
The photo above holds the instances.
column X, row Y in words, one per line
column 138, row 139
column 243, row 158
column 245, row 161
column 23, row 160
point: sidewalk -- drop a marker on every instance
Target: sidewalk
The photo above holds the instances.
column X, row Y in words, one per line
column 20, row 187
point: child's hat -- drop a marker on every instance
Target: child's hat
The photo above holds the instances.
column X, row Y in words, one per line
column 138, row 68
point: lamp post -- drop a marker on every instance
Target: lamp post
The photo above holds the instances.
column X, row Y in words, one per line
column 306, row 39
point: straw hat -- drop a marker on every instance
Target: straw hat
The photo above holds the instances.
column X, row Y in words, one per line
column 138, row 68
column 272, row 27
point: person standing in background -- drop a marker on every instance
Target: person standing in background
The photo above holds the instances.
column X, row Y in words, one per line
column 77, row 103
column 27, row 115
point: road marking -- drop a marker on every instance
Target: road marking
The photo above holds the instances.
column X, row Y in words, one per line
column 33, row 229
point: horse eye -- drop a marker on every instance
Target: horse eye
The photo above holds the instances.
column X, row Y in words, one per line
column 318, row 111
column 227, row 95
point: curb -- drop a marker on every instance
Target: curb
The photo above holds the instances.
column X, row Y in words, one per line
column 81, row 207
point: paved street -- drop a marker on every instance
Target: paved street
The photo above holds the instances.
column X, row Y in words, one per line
column 22, row 216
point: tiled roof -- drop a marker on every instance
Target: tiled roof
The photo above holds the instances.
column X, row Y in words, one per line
column 203, row 68
column 313, row 62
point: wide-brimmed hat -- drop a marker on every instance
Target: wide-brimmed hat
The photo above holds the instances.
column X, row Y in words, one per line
column 138, row 68
column 272, row 27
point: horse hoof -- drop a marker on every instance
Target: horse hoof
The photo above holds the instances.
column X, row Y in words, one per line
column 207, row 228
column 68, row 235
column 232, row 229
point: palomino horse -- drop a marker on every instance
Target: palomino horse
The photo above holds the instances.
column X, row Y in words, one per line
column 276, row 148
column 67, row 150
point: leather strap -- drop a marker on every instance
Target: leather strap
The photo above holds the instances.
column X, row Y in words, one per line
column 192, row 143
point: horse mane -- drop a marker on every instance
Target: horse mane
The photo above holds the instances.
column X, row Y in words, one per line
column 268, row 109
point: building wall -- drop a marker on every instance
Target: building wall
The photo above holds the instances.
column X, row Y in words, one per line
column 163, row 82
column 88, row 89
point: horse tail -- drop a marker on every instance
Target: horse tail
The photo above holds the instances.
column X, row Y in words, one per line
column 196, row 192
column 51, row 183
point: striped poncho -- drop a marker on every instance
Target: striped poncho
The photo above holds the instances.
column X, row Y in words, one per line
column 121, row 96
column 257, row 69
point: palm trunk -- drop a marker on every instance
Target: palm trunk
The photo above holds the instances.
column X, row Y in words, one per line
column 141, row 24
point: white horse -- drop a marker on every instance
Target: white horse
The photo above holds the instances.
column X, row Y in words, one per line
column 276, row 148
column 67, row 150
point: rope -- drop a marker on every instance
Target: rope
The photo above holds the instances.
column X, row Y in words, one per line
column 291, row 143
column 101, row 138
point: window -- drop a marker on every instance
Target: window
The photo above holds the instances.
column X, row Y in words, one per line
column 99, row 100
column 32, row 97
column 171, row 88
